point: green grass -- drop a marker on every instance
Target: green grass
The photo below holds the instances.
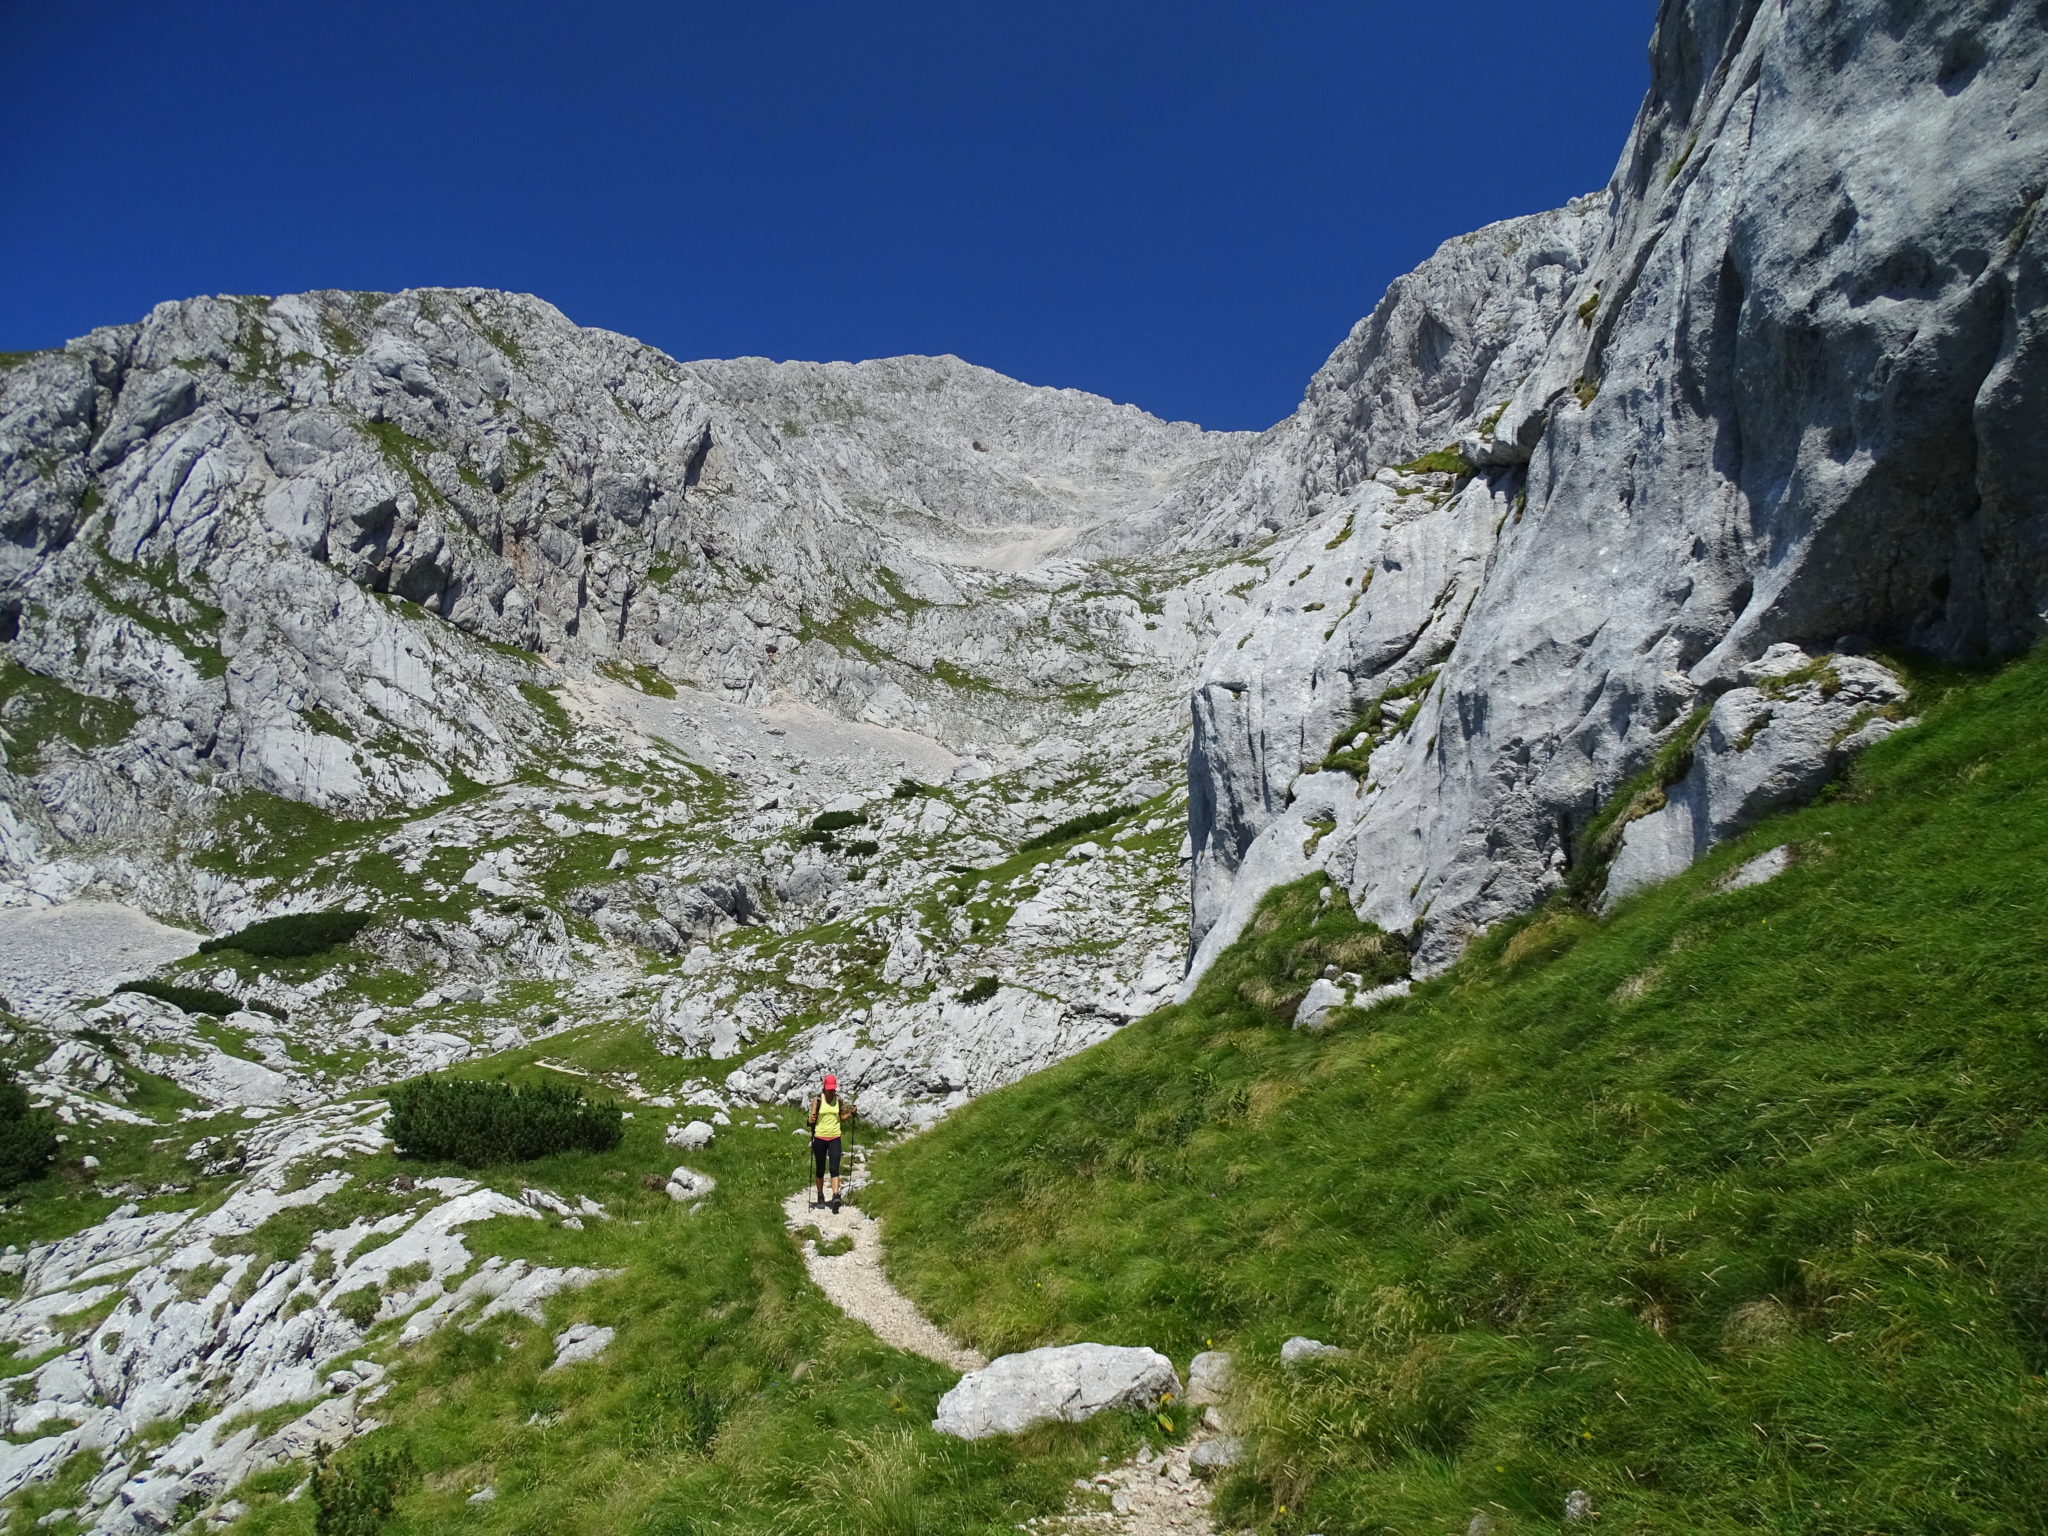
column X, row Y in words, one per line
column 1726, row 1209
column 38, row 711
column 1370, row 722
column 735, row 1399
column 1438, row 461
column 638, row 675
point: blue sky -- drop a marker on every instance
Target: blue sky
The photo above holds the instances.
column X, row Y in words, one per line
column 1180, row 205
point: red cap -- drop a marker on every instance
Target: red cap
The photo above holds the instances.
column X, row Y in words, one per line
column 831, row 1082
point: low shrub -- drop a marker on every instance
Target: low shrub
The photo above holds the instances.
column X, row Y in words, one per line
column 1438, row 461
column 292, row 935
column 864, row 849
column 479, row 1123
column 360, row 1305
column 1076, row 827
column 189, row 999
column 28, row 1136
column 910, row 789
column 836, row 821
column 354, row 1497
column 981, row 990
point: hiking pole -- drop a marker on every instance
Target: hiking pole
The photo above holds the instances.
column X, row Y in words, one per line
column 853, row 1125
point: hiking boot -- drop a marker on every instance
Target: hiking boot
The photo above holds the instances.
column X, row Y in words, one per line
column 835, row 1205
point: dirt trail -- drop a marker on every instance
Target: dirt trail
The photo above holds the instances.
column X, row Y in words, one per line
column 856, row 1285
column 1149, row 1495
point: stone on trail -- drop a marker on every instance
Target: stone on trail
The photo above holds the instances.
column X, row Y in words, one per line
column 1062, row 1383
column 1218, row 1454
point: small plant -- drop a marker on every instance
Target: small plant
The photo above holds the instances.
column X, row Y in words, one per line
column 1352, row 747
column 359, row 1306
column 837, row 821
column 292, row 935
column 1438, row 461
column 186, row 999
column 981, row 990
column 356, row 1496
column 479, row 1123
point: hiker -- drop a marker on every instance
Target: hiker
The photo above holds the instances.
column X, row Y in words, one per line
column 829, row 1115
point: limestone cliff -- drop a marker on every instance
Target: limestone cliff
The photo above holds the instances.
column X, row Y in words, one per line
column 1781, row 401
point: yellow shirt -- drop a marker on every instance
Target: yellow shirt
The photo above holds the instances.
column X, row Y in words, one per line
column 827, row 1127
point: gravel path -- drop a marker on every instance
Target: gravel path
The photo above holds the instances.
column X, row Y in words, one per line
column 1149, row 1495
column 50, row 956
column 856, row 1285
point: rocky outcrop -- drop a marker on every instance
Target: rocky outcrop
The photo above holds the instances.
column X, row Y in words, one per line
column 149, row 1319
column 1781, row 401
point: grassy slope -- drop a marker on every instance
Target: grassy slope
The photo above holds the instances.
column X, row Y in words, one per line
column 1731, row 1210
column 734, row 1399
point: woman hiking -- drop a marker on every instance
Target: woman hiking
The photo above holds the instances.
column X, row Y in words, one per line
column 828, row 1117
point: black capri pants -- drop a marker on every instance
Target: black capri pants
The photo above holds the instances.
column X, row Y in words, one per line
column 825, row 1154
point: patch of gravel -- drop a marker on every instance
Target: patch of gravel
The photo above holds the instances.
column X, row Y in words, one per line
column 1149, row 1495
column 855, row 1283
column 50, row 956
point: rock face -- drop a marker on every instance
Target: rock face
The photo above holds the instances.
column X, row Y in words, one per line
column 1064, row 1383
column 147, row 1319
column 1778, row 397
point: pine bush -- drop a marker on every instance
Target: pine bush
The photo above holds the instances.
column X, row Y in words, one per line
column 190, row 999
column 1079, row 826
column 481, row 1123
column 293, row 934
column 354, row 1497
column 28, row 1136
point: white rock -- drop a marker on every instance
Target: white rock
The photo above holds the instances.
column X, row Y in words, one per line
column 581, row 1341
column 1299, row 1348
column 1768, row 865
column 687, row 1187
column 1209, row 1378
column 1322, row 996
column 698, row 1133
column 1069, row 1383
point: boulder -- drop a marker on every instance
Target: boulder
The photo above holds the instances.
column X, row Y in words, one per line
column 1209, row 1378
column 1216, row 1455
column 1298, row 1349
column 688, row 1187
column 697, row 1134
column 579, row 1342
column 1063, row 1383
column 1322, row 998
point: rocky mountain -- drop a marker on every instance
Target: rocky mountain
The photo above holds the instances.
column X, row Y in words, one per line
column 802, row 717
